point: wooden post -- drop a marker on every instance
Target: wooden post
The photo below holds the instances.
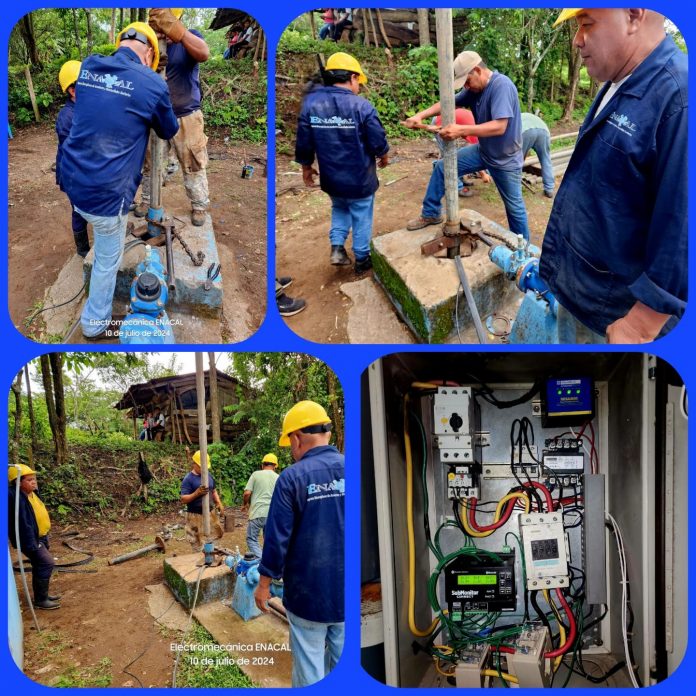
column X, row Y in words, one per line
column 135, row 425
column 32, row 96
column 372, row 26
column 387, row 43
column 214, row 398
column 445, row 58
column 182, row 415
column 312, row 25
column 203, row 441
column 424, row 27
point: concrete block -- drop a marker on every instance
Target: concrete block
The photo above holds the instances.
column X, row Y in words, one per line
column 190, row 279
column 424, row 288
column 181, row 575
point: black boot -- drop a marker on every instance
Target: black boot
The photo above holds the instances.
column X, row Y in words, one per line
column 81, row 242
column 41, row 598
column 339, row 257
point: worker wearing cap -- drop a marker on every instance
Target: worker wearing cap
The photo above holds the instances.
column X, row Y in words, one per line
column 186, row 49
column 119, row 99
column 257, row 500
column 615, row 249
column 33, row 526
column 343, row 132
column 192, row 494
column 67, row 77
column 493, row 99
column 304, row 542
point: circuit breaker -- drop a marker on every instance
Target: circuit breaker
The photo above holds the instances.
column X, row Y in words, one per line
column 545, row 550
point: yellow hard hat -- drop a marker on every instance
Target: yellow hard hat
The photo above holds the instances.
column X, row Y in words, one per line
column 344, row 61
column 177, row 11
column 141, row 31
column 69, row 72
column 270, row 459
column 567, row 13
column 24, row 471
column 304, row 413
column 197, row 458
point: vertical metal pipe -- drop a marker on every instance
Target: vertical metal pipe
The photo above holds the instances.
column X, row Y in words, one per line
column 203, row 440
column 157, row 147
column 445, row 58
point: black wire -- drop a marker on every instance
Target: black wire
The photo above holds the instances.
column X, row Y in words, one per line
column 487, row 393
column 56, row 306
column 540, row 613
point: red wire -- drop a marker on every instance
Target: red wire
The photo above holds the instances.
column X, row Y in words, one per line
column 545, row 491
column 471, row 512
column 572, row 629
column 504, row 649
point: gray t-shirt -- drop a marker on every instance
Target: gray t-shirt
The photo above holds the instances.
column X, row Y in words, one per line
column 261, row 484
column 498, row 100
column 530, row 121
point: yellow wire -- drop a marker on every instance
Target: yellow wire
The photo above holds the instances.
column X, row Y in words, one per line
column 505, row 675
column 447, row 649
column 437, row 667
column 424, row 385
column 411, row 539
column 498, row 514
column 561, row 629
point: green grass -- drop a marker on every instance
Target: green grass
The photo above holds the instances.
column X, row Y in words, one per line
column 208, row 676
column 94, row 675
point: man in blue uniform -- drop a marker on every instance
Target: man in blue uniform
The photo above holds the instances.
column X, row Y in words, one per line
column 303, row 543
column 615, row 249
column 119, row 98
column 493, row 99
column 67, row 77
column 186, row 48
column 343, row 131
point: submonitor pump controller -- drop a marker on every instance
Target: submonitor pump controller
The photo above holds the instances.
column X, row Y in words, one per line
column 567, row 401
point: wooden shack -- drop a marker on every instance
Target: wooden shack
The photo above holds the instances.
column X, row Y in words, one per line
column 177, row 399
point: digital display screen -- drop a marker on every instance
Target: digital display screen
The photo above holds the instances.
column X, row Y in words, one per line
column 544, row 549
column 477, row 579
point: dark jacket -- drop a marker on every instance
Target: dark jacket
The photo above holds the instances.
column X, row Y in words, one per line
column 28, row 527
column 618, row 229
column 118, row 101
column 304, row 536
column 63, row 125
column 343, row 131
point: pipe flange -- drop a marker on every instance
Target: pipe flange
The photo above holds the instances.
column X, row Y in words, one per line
column 498, row 325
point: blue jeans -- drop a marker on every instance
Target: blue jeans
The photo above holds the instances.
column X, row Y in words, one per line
column 316, row 648
column 326, row 30
column 254, row 528
column 508, row 183
column 109, row 237
column 571, row 330
column 355, row 214
column 539, row 140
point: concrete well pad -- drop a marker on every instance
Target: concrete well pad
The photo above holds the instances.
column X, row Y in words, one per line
column 181, row 575
column 424, row 288
column 189, row 293
column 260, row 647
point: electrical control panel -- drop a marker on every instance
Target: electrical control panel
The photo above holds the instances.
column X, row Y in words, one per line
column 563, row 458
column 461, row 483
column 478, row 584
column 567, row 401
column 545, row 550
column 528, row 663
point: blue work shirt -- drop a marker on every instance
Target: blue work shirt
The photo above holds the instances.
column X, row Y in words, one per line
column 618, row 229
column 63, row 125
column 118, row 100
column 304, row 535
column 183, row 78
column 498, row 100
column 191, row 483
column 28, row 526
column 345, row 134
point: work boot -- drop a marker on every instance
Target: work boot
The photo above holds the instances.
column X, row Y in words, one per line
column 284, row 282
column 198, row 217
column 289, row 306
column 420, row 222
column 464, row 192
column 339, row 256
column 81, row 243
column 141, row 209
column 41, row 598
column 548, row 194
column 364, row 265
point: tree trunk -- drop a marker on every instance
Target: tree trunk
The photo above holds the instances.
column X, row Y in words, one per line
column 312, row 25
column 26, row 27
column 335, row 413
column 214, row 399
column 387, row 43
column 90, row 38
column 56, row 360
column 30, row 409
column 120, row 20
column 423, row 27
column 133, row 14
column 17, row 391
column 574, row 63
column 76, row 28
column 142, row 14
column 47, row 380
column 112, row 27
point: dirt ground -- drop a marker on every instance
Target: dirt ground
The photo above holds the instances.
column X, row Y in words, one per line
column 104, row 615
column 302, row 226
column 41, row 242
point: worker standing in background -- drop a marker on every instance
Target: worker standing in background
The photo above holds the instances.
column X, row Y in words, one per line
column 257, row 500
column 493, row 99
column 343, row 131
column 67, row 77
column 34, row 526
column 537, row 136
column 304, row 541
column 119, row 99
column 186, row 49
column 615, row 249
column 192, row 493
